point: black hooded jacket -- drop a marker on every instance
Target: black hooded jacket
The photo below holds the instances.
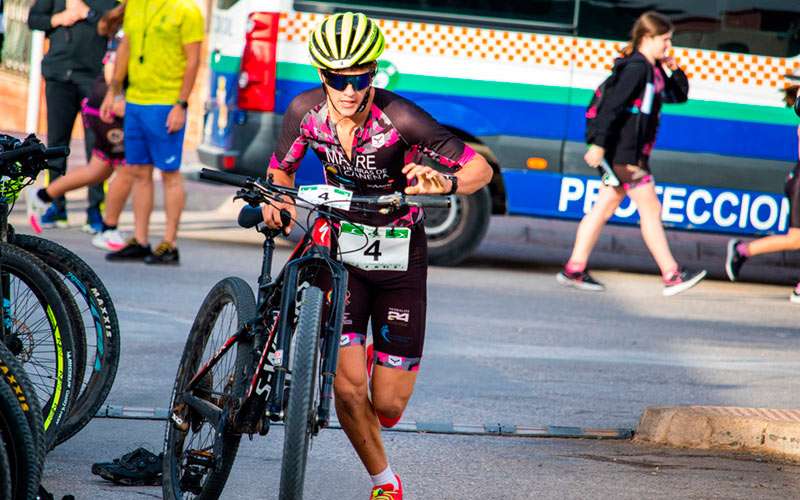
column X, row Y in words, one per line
column 76, row 52
column 627, row 118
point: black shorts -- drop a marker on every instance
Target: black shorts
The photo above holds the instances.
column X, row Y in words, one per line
column 395, row 303
column 109, row 142
column 793, row 193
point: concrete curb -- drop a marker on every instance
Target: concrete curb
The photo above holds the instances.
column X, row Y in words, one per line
column 754, row 430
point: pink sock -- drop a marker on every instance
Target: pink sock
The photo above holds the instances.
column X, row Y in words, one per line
column 742, row 250
column 575, row 267
column 669, row 274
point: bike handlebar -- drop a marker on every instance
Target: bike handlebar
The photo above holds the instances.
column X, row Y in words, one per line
column 387, row 201
column 34, row 157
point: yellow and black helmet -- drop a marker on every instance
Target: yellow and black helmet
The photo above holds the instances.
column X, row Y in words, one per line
column 344, row 40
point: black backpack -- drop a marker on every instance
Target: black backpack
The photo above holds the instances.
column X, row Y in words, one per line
column 597, row 100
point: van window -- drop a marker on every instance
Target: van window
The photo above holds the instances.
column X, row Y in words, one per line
column 226, row 4
column 559, row 13
column 763, row 27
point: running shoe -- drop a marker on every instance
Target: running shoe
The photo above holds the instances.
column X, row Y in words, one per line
column 164, row 254
column 131, row 251
column 94, row 221
column 110, row 240
column 581, row 281
column 794, row 298
column 137, row 468
column 388, row 491
column 36, row 208
column 734, row 260
column 681, row 281
column 54, row 217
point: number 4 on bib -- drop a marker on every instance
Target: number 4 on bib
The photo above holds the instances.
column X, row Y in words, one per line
column 375, row 248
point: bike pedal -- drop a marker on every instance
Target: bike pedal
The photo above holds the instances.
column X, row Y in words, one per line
column 178, row 422
column 200, row 458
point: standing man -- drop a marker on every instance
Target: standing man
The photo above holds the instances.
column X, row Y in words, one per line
column 159, row 54
column 72, row 64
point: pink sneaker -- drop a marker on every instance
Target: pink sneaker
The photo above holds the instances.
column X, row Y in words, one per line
column 388, row 491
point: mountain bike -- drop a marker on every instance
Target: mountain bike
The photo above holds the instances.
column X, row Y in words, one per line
column 97, row 315
column 248, row 363
column 97, row 320
column 38, row 318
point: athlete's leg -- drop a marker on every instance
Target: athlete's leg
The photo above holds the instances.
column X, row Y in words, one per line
column 644, row 195
column 174, row 201
column 353, row 407
column 391, row 390
column 142, row 201
column 118, row 191
column 775, row 243
column 592, row 223
column 355, row 411
column 97, row 170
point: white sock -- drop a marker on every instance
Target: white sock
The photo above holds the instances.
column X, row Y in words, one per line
column 385, row 477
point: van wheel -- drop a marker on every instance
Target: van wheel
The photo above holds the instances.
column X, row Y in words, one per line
column 454, row 233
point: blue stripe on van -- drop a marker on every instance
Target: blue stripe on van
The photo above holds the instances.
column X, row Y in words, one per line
column 555, row 121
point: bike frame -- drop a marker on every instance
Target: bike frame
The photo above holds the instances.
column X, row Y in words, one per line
column 271, row 330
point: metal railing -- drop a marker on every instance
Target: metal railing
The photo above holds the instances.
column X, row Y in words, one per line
column 17, row 45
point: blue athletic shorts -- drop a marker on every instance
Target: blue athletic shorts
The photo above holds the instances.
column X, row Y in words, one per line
column 146, row 139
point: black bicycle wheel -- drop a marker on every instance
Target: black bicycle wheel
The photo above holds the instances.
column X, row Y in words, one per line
column 198, row 459
column 39, row 333
column 24, row 463
column 12, row 373
column 5, row 472
column 99, row 324
column 301, row 413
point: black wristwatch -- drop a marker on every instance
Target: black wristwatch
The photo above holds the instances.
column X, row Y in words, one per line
column 453, row 184
column 182, row 103
column 92, row 16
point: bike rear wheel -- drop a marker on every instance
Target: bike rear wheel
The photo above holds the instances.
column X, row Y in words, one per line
column 301, row 412
column 40, row 334
column 98, row 324
column 198, row 459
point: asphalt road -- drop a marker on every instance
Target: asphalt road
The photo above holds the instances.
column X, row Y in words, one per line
column 505, row 343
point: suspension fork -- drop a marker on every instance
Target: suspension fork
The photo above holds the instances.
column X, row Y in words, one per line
column 288, row 297
column 330, row 336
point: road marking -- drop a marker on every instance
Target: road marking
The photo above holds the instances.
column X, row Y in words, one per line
column 446, row 428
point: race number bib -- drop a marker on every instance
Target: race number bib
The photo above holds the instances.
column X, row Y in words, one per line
column 322, row 194
column 374, row 248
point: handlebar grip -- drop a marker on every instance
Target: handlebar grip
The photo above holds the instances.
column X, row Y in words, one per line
column 250, row 216
column 430, row 201
column 56, row 152
column 286, row 217
column 20, row 153
column 224, row 177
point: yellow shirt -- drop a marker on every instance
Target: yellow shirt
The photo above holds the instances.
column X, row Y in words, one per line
column 157, row 31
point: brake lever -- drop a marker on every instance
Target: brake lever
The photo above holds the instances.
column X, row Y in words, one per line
column 249, row 196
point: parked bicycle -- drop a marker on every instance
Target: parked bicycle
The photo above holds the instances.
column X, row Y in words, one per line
column 94, row 326
column 251, row 362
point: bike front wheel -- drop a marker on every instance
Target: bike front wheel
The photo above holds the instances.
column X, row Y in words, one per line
column 301, row 414
column 198, row 454
column 98, row 323
column 39, row 327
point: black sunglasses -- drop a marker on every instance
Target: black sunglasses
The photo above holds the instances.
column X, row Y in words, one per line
column 340, row 82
